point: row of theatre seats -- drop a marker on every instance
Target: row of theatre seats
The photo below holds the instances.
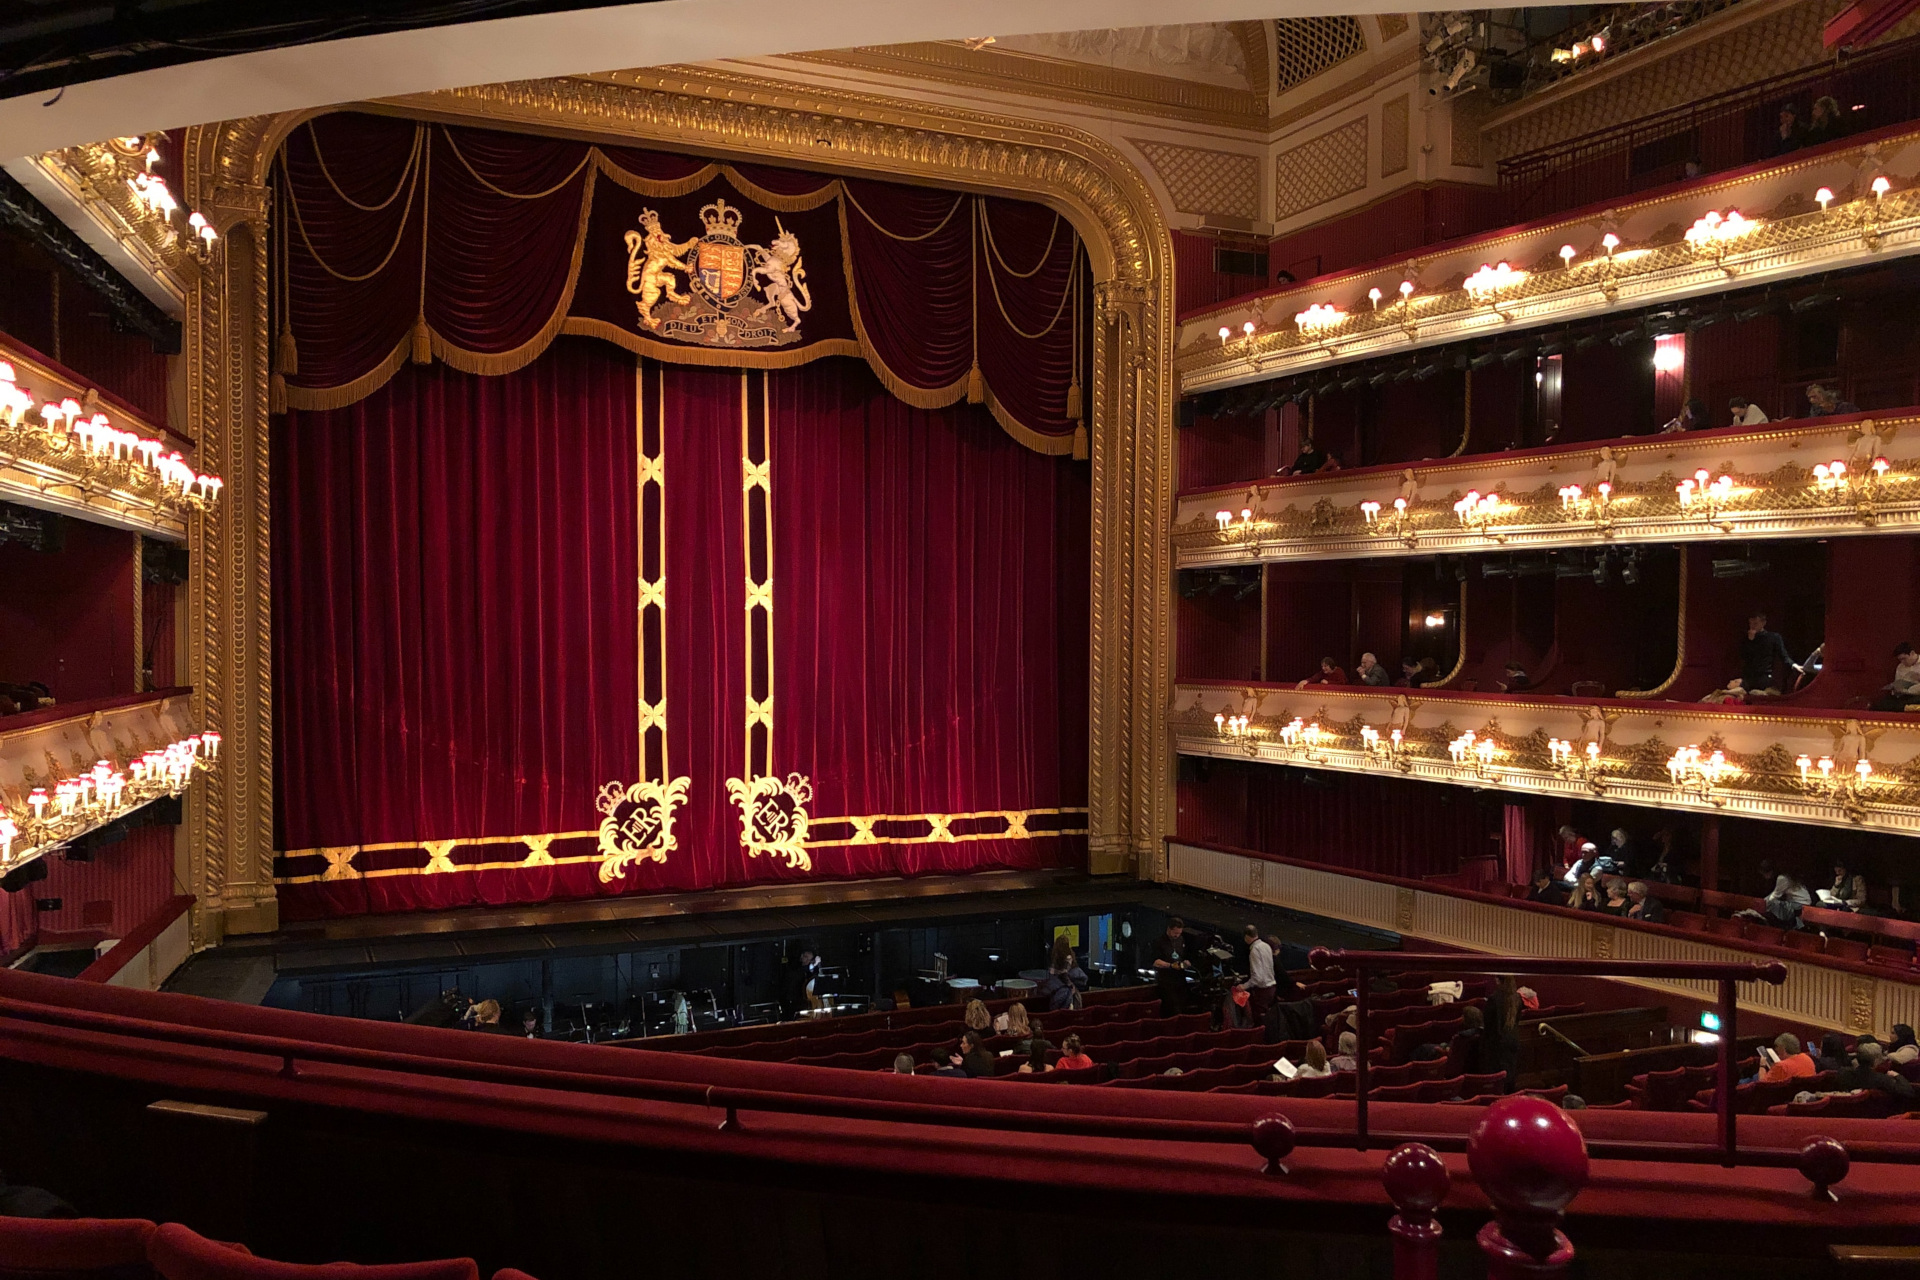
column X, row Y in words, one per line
column 133, row 1249
column 1132, row 1047
column 1882, row 942
column 1696, row 1089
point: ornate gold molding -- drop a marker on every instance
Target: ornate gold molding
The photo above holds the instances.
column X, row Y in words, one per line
column 728, row 115
column 1780, row 484
column 1766, row 764
column 1064, row 80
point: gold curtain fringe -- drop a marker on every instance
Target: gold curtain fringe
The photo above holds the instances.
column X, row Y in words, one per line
column 277, row 392
column 317, row 399
column 1080, row 450
column 421, row 341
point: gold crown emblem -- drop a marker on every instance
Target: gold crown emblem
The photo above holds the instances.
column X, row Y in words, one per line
column 720, row 218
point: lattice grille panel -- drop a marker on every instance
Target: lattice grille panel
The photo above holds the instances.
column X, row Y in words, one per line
column 1304, row 47
column 1204, row 181
column 1320, row 169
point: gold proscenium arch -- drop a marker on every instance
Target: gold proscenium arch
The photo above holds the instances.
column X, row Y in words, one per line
column 729, row 116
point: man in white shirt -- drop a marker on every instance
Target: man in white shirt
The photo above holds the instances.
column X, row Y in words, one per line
column 1746, row 413
column 1260, row 981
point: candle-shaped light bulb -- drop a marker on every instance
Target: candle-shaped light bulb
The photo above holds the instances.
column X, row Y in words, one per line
column 1219, row 719
column 1406, row 290
column 1825, row 196
column 1864, row 768
column 1225, row 333
column 1803, row 764
column 1826, row 766
column 212, row 740
column 1566, row 255
column 37, row 801
column 1593, row 751
column 1880, row 466
column 1880, row 187
column 1610, row 242
column 1247, row 328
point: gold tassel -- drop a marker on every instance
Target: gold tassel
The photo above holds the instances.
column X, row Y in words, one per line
column 976, row 390
column 1080, row 451
column 422, row 342
column 277, row 393
column 1073, row 401
column 286, row 356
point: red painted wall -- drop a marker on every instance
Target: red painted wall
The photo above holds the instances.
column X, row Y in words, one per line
column 1196, row 283
column 1393, row 225
column 66, row 617
column 75, row 330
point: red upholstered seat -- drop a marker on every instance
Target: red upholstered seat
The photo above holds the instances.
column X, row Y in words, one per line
column 1900, row 957
column 34, row 1247
column 1441, row 1090
column 1665, row 1090
column 1690, row 920
column 1486, row 1082
column 1804, row 940
column 1397, row 1093
column 178, row 1254
column 1727, row 927
column 1847, row 949
column 1554, row 1094
column 508, row 1273
column 1389, row 1077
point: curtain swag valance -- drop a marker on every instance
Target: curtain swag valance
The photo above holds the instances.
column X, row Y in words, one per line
column 405, row 241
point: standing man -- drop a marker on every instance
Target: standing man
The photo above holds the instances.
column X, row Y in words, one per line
column 1170, row 965
column 1761, row 654
column 1260, row 983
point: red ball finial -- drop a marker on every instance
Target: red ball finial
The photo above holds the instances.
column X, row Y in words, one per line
column 1825, row 1162
column 1527, row 1155
column 1531, row 1161
column 1273, row 1138
column 1319, row 959
column 1416, row 1179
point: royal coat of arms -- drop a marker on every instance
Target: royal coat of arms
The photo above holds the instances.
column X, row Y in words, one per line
column 735, row 294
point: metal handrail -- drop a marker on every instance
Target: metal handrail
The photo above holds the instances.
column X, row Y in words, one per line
column 1727, row 974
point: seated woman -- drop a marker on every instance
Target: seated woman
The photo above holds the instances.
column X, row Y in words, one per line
column 1848, row 892
column 1072, row 1057
column 1586, row 896
column 1617, row 903
column 1315, row 1065
column 1330, row 673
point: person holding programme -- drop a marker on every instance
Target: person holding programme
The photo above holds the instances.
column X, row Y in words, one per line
column 1170, row 966
column 1745, row 412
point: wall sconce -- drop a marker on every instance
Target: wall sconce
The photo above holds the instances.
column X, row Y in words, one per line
column 103, row 792
column 1486, row 283
column 1370, row 512
column 1319, row 318
column 1566, row 257
column 1476, row 511
column 1694, row 773
column 1373, row 296
column 1825, row 197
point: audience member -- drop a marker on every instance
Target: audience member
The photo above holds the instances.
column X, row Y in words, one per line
column 1826, row 122
column 1694, row 167
column 1545, row 890
column 1645, row 906
column 1502, row 1033
column 1790, row 1063
column 1516, row 679
column 1586, row 896
column 1849, row 891
column 486, row 1017
column 1824, row 402
column 977, row 1017
column 1072, row 1056
column 1619, row 858
column 1065, row 979
column 530, row 1024
column 1866, row 1074
column 1904, row 688
column 1575, row 854
column 1616, row 903
column 1315, row 1064
column 1169, row 965
column 1572, row 1102
column 1833, row 1055
column 1903, row 1049
column 903, row 1064
column 1692, row 417
column 1414, row 673
column 1663, row 869
column 1787, row 899
column 1329, row 673
column 1309, row 460
column 1017, row 1025
column 1745, row 412
column 1371, row 672
column 1348, row 1058
column 1260, row 985
column 1761, row 654
column 972, row 1056
column 1037, row 1047
column 946, row 1065
column 1792, row 130
column 1469, row 1045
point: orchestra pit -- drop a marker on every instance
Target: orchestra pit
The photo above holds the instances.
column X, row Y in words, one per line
column 981, row 642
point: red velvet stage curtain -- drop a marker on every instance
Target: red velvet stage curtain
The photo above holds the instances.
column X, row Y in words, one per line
column 453, row 605
column 403, row 240
column 930, row 637
column 1392, row 826
column 456, row 644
